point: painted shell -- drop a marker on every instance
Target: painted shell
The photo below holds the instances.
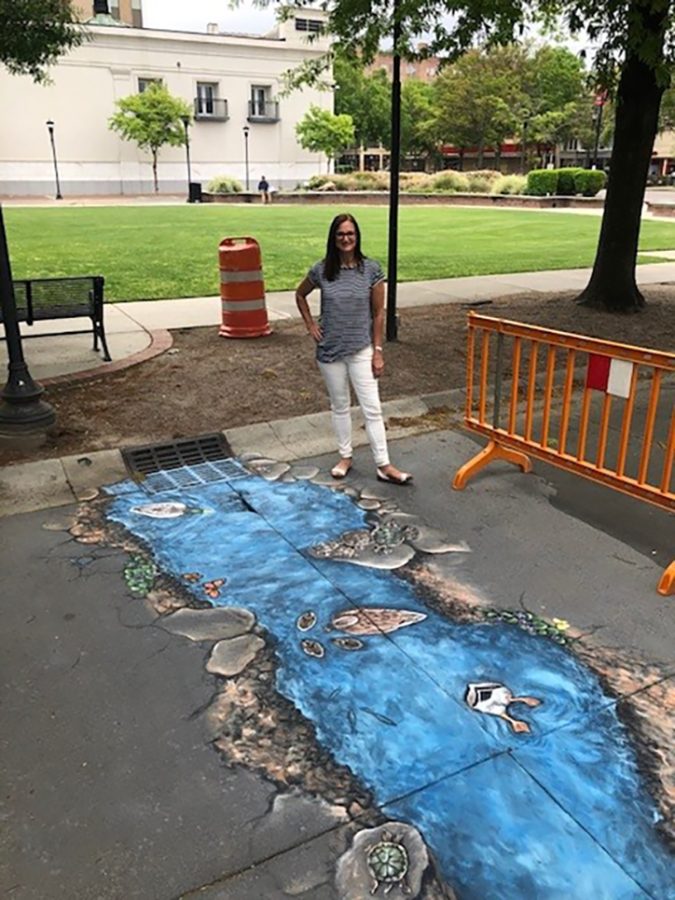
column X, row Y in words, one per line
column 388, row 861
column 347, row 643
column 306, row 621
column 313, row 648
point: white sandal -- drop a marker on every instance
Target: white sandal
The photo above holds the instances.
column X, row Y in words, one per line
column 403, row 478
column 341, row 469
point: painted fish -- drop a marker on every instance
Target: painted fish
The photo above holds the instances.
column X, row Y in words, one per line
column 492, row 698
column 347, row 643
column 375, row 620
column 306, row 621
column 168, row 510
column 313, row 648
column 379, row 716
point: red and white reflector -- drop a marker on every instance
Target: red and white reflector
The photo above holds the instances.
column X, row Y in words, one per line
column 612, row 376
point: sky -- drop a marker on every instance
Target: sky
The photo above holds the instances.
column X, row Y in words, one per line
column 194, row 15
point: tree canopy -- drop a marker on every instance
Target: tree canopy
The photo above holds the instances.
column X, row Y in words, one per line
column 35, row 33
column 151, row 119
column 321, row 131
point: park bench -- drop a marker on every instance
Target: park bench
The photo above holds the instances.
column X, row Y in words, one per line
column 39, row 299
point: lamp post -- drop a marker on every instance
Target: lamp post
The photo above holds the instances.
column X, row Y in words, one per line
column 186, row 125
column 523, row 146
column 50, row 128
column 394, row 172
column 598, row 106
column 246, row 131
column 24, row 417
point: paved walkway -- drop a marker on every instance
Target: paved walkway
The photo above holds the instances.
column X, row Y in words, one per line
column 132, row 326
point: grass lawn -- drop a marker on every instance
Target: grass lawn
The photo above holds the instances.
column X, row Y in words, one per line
column 171, row 251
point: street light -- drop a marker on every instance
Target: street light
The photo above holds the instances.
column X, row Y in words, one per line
column 246, row 130
column 598, row 106
column 24, row 417
column 50, row 128
column 186, row 125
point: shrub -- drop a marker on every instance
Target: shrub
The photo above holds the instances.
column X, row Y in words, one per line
column 541, row 182
column 589, row 181
column 367, row 181
column 509, row 184
column 490, row 175
column 566, row 186
column 318, row 181
column 224, row 184
column 449, row 182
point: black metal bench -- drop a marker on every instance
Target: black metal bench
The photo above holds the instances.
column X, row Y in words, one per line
column 38, row 299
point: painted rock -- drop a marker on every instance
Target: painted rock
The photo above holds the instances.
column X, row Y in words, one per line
column 390, row 860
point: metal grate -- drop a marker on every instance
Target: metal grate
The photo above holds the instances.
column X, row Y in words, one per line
column 182, row 464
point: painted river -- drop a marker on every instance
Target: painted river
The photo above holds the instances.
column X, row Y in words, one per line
column 558, row 812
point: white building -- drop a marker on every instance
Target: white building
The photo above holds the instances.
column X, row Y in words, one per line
column 233, row 81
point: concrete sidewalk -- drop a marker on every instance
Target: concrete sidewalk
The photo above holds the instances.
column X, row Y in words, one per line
column 136, row 327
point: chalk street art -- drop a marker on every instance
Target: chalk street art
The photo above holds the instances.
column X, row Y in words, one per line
column 478, row 752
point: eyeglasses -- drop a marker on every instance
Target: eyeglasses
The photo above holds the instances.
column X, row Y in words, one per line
column 346, row 234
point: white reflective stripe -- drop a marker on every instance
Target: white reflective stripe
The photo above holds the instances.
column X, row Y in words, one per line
column 242, row 305
column 240, row 277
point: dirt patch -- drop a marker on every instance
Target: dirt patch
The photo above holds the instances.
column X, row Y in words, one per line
column 207, row 384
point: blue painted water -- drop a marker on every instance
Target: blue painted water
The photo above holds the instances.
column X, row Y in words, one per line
column 560, row 812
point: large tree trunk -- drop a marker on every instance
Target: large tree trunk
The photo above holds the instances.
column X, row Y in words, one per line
column 612, row 285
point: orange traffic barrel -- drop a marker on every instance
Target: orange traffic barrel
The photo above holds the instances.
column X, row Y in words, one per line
column 242, row 289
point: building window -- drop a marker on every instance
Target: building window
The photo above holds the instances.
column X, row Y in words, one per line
column 137, row 13
column 260, row 97
column 144, row 83
column 311, row 25
column 206, row 97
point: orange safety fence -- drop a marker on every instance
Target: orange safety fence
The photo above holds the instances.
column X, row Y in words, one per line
column 593, row 407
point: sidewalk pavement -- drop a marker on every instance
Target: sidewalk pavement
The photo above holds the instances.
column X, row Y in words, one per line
column 136, row 328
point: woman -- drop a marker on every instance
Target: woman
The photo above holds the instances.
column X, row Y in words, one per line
column 349, row 340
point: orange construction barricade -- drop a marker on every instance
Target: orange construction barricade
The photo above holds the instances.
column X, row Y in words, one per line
column 595, row 408
column 242, row 289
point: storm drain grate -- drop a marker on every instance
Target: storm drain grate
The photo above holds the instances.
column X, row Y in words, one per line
column 182, row 464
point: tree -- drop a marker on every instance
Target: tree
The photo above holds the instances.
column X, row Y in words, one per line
column 321, row 131
column 636, row 47
column 419, row 119
column 152, row 119
column 35, row 33
column 366, row 98
column 479, row 97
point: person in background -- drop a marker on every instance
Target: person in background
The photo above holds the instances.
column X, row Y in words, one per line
column 349, row 340
column 264, row 188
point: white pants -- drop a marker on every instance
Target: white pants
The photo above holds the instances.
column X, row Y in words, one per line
column 337, row 375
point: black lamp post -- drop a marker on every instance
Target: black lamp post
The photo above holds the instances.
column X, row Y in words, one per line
column 597, row 118
column 50, row 128
column 246, row 131
column 24, row 417
column 523, row 145
column 186, row 126
column 394, row 171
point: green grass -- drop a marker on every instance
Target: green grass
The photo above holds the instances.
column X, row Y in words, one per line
column 171, row 251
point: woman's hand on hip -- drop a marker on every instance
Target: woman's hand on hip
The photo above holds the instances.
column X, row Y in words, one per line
column 315, row 332
column 378, row 363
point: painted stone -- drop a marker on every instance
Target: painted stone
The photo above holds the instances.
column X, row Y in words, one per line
column 273, row 473
column 365, row 503
column 429, row 540
column 389, row 860
column 231, row 656
column 210, row 624
column 304, row 473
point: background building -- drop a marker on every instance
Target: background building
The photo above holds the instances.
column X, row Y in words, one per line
column 231, row 81
column 128, row 11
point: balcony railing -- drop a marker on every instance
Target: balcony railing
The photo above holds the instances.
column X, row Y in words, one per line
column 263, row 112
column 212, row 109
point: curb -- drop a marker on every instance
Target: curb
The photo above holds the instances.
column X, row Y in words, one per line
column 161, row 340
column 49, row 483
